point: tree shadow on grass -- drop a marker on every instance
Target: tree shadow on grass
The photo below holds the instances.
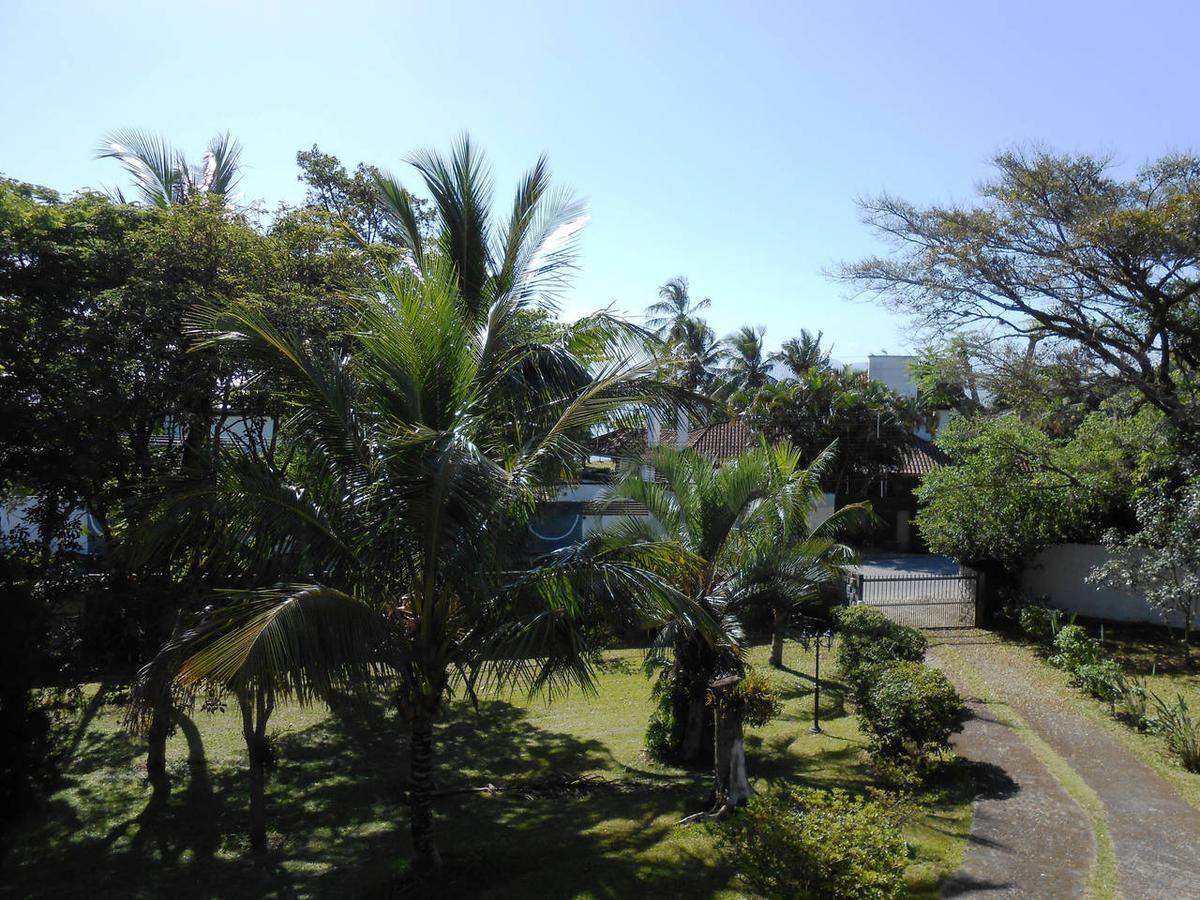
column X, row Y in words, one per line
column 339, row 825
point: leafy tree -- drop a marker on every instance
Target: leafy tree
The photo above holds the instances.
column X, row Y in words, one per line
column 1011, row 489
column 1060, row 250
column 163, row 174
column 412, row 458
column 1161, row 560
column 675, row 313
column 353, row 197
column 528, row 256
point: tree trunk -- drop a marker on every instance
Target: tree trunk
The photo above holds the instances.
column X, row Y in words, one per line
column 256, row 711
column 156, row 745
column 425, row 852
column 778, row 629
column 696, row 736
column 732, row 787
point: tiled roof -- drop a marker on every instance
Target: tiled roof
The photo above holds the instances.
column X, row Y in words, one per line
column 921, row 458
column 723, row 440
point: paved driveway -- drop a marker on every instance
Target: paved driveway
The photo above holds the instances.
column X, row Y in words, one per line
column 908, row 564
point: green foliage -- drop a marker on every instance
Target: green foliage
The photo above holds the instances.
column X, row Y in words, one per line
column 1101, row 679
column 1042, row 623
column 1011, row 490
column 1174, row 721
column 868, row 640
column 818, row 406
column 910, row 712
column 1161, row 561
column 1074, row 648
column 793, row 842
column 757, row 700
column 1033, row 260
column 1131, row 703
column 745, row 527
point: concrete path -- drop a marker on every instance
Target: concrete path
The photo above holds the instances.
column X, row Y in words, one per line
column 1033, row 845
column 1028, row 837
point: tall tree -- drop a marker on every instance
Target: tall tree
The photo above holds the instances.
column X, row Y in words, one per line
column 1060, row 249
column 416, row 452
column 746, row 363
column 529, row 255
column 800, row 354
column 745, row 523
column 163, row 174
column 675, row 313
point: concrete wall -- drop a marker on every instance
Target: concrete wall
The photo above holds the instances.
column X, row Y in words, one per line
column 1059, row 574
column 892, row 371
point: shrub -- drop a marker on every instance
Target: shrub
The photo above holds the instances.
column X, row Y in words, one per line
column 867, row 640
column 1132, row 702
column 1074, row 649
column 1100, row 679
column 795, row 842
column 1175, row 723
column 910, row 713
column 1043, row 623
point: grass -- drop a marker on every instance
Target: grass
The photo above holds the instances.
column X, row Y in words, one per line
column 1143, row 650
column 338, row 826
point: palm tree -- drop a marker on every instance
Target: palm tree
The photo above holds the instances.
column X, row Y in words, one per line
column 803, row 354
column 745, row 523
column 674, row 313
column 164, row 176
column 746, row 362
column 414, row 458
column 527, row 256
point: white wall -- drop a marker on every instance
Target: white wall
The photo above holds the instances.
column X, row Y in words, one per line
column 892, row 371
column 1059, row 573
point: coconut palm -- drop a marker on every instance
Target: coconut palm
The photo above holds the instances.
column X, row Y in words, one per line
column 164, row 176
column 674, row 313
column 527, row 256
column 745, row 522
column 746, row 362
column 413, row 461
column 803, row 354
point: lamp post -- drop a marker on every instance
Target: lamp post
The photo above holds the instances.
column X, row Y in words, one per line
column 817, row 636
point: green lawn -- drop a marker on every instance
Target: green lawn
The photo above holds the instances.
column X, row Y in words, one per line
column 338, row 827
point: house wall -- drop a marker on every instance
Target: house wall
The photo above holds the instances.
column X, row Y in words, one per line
column 892, row 371
column 1059, row 574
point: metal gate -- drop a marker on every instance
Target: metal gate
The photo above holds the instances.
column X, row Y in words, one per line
column 923, row 601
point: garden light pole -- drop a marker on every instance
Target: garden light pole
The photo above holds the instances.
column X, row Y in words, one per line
column 818, row 637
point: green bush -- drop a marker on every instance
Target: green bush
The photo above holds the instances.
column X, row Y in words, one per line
column 1100, row 679
column 910, row 713
column 868, row 640
column 1175, row 723
column 1132, row 702
column 800, row 843
column 1074, row 649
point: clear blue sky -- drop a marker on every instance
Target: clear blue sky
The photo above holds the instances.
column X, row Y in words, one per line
column 724, row 141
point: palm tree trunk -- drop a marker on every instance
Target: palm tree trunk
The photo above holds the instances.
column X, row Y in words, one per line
column 732, row 788
column 696, row 734
column 156, row 746
column 255, row 713
column 425, row 852
column 778, row 627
